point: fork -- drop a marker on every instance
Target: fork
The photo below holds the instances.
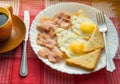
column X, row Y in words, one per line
column 103, row 28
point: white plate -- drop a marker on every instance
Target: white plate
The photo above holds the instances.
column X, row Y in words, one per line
column 73, row 7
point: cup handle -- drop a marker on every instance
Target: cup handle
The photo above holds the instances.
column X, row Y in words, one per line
column 9, row 7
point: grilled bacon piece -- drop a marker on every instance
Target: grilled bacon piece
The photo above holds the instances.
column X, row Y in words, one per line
column 53, row 55
column 62, row 19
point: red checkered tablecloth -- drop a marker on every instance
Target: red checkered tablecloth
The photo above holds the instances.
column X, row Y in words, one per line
column 39, row 73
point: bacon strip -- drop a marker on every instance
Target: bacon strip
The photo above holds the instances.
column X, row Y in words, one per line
column 47, row 37
column 46, row 26
column 45, row 40
column 62, row 19
column 54, row 55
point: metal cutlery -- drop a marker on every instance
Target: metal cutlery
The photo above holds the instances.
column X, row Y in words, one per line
column 24, row 67
column 103, row 28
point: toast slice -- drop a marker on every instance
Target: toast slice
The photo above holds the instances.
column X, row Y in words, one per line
column 86, row 61
column 96, row 41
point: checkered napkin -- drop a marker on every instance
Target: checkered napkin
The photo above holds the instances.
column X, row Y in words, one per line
column 39, row 73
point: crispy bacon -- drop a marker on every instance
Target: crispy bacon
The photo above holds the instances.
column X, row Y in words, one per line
column 53, row 55
column 62, row 19
column 57, row 51
column 47, row 37
column 45, row 40
column 46, row 26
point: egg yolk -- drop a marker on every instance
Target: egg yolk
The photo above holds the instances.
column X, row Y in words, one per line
column 77, row 47
column 87, row 27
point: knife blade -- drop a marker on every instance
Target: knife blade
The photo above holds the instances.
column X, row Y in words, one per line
column 24, row 67
column 27, row 23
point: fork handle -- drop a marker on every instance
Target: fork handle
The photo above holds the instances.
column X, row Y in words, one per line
column 109, row 61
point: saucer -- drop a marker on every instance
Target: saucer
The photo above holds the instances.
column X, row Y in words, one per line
column 17, row 35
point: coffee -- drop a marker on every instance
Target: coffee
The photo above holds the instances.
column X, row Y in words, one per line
column 3, row 18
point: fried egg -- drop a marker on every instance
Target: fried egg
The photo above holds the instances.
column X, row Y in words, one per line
column 82, row 26
column 70, row 43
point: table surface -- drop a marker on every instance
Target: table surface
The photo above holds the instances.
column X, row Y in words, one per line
column 39, row 73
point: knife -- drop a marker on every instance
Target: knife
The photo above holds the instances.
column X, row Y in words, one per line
column 24, row 67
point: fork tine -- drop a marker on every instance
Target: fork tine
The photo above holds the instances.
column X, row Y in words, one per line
column 97, row 18
column 100, row 18
column 102, row 14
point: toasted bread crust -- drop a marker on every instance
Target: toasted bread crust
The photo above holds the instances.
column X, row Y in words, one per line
column 87, row 61
column 96, row 41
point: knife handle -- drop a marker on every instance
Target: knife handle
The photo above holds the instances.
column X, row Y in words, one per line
column 24, row 67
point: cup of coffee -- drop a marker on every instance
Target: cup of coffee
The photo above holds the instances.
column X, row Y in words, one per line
column 5, row 23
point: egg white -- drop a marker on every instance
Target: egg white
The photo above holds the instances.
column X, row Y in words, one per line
column 76, row 22
column 65, row 38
